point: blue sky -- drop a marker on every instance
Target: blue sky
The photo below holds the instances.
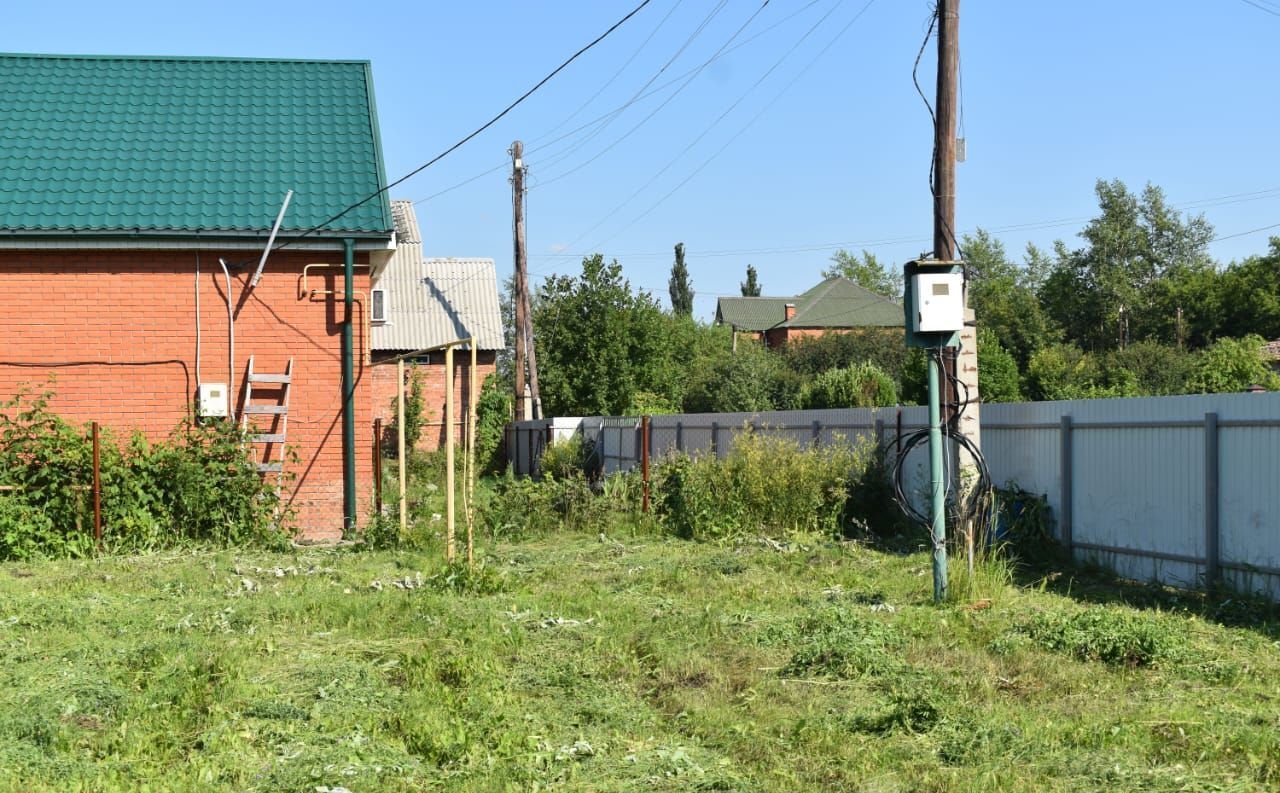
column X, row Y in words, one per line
column 826, row 144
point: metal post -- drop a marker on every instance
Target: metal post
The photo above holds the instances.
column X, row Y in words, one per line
column 97, row 488
column 817, row 433
column 897, row 439
column 1212, row 529
column 679, row 436
column 404, row 516
column 348, row 387
column 879, row 432
column 645, row 440
column 938, row 510
column 377, row 466
column 715, row 439
column 1065, row 439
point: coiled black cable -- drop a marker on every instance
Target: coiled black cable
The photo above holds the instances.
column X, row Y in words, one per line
column 973, row 505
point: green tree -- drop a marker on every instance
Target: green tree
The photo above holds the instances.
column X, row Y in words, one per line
column 1111, row 290
column 998, row 371
column 809, row 356
column 679, row 287
column 1064, row 371
column 751, row 379
column 1230, row 365
column 1249, row 296
column 600, row 342
column 751, row 286
column 1003, row 300
column 866, row 271
column 1159, row 369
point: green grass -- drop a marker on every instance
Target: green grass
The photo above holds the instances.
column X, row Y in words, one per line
column 629, row 663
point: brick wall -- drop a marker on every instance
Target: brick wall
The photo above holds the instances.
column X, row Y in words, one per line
column 432, row 372
column 117, row 331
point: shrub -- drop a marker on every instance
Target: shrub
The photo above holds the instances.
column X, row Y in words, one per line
column 861, row 385
column 999, row 380
column 493, row 411
column 1231, row 365
column 766, row 485
column 564, row 459
column 201, row 485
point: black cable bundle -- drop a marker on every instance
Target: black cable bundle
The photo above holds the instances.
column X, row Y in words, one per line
column 976, row 506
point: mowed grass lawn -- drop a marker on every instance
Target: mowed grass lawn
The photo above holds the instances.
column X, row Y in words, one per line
column 629, row 663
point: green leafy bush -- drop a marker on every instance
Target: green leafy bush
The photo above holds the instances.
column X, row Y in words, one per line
column 493, row 411
column 860, row 385
column 1231, row 365
column 201, row 485
column 765, row 485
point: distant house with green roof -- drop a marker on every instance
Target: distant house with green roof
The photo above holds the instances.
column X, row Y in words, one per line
column 835, row 305
column 126, row 185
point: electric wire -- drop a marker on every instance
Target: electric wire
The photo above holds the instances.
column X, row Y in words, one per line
column 707, row 130
column 1268, row 8
column 742, row 130
column 657, row 109
column 541, row 144
column 470, row 136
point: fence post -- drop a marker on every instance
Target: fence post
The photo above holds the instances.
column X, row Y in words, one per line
column 817, row 433
column 715, row 439
column 1065, row 440
column 879, row 434
column 1212, row 535
column 679, row 436
column 97, row 488
column 645, row 439
column 897, row 439
column 377, row 466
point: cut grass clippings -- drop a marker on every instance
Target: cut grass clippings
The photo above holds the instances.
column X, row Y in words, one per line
column 580, row 662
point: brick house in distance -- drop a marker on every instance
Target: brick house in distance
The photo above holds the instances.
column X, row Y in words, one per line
column 835, row 305
column 428, row 302
column 125, row 185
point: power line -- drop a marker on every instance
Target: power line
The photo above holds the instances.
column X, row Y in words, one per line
column 707, row 130
column 609, row 114
column 665, row 102
column 1266, row 8
column 702, row 26
column 1245, row 233
column 1201, row 203
column 477, row 131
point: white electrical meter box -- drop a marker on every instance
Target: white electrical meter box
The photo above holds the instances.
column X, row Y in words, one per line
column 938, row 302
column 213, row 399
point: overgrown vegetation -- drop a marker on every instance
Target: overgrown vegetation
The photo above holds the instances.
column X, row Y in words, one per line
column 764, row 486
column 200, row 486
column 624, row 662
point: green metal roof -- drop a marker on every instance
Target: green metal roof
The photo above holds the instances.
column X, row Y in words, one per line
column 841, row 303
column 752, row 313
column 834, row 303
column 175, row 146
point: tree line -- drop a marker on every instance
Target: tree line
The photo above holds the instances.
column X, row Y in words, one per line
column 1139, row 308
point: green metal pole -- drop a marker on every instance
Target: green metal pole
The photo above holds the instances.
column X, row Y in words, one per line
column 348, row 388
column 938, row 486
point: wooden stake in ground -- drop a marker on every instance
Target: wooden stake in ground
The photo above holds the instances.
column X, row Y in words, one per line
column 450, row 544
column 472, row 421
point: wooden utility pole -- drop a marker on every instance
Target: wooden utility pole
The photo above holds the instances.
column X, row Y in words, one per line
column 523, row 316
column 521, row 277
column 961, row 364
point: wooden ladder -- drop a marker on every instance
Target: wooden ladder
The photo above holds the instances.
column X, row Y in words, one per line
column 277, row 424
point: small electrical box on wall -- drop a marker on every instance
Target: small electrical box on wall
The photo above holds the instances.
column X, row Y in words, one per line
column 933, row 303
column 213, row 400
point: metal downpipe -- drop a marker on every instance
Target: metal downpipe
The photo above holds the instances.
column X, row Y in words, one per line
column 348, row 389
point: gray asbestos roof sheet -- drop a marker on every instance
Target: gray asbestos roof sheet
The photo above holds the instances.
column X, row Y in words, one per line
column 438, row 300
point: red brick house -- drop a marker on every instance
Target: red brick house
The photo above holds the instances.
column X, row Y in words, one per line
column 835, row 305
column 126, row 183
column 428, row 302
